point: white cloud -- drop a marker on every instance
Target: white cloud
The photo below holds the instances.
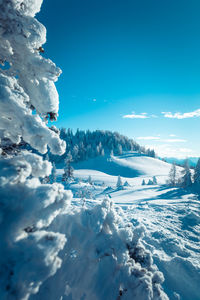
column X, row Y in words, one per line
column 136, row 116
column 94, row 100
column 166, row 150
column 178, row 115
column 172, row 135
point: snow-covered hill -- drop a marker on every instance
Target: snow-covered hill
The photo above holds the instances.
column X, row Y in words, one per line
column 132, row 166
column 170, row 217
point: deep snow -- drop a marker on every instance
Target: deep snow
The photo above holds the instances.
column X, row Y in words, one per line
column 170, row 216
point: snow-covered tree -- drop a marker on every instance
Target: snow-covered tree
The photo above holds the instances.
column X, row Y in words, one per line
column 186, row 180
column 68, row 169
column 119, row 149
column 126, row 183
column 143, row 182
column 28, row 97
column 150, row 182
column 119, row 182
column 89, row 179
column 154, row 180
column 197, row 173
column 53, row 175
column 173, row 175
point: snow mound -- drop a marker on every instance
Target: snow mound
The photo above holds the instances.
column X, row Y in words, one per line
column 30, row 251
column 128, row 165
column 102, row 259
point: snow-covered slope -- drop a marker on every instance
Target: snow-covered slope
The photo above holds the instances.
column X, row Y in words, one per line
column 129, row 165
column 170, row 217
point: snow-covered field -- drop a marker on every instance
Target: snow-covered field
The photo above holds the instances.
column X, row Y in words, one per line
column 170, row 217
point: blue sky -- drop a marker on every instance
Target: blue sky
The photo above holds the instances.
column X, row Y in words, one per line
column 131, row 66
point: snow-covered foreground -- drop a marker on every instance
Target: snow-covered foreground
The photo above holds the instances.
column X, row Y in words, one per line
column 170, row 219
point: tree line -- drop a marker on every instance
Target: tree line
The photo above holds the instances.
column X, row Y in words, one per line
column 187, row 179
column 83, row 145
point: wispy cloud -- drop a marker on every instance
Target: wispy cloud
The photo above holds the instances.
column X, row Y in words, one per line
column 136, row 116
column 143, row 115
column 166, row 150
column 172, row 135
column 178, row 115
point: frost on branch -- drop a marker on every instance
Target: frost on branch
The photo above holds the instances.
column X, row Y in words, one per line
column 28, row 83
column 29, row 250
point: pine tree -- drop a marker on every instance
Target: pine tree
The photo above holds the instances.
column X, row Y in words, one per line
column 68, row 169
column 150, row 182
column 172, row 175
column 53, row 175
column 186, row 180
column 155, row 180
column 119, row 182
column 28, row 99
column 90, row 179
column 197, row 174
column 143, row 182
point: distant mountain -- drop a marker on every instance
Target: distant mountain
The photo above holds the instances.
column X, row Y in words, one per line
column 180, row 161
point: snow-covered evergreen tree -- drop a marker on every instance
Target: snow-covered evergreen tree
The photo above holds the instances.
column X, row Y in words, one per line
column 197, row 174
column 28, row 97
column 53, row 175
column 68, row 169
column 119, row 149
column 173, row 175
column 150, row 182
column 186, row 180
column 89, row 179
column 126, row 183
column 119, row 182
column 143, row 182
column 154, row 180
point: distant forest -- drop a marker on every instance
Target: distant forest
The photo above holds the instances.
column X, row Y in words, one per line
column 83, row 145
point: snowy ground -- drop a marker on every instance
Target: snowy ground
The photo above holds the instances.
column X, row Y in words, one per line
column 171, row 217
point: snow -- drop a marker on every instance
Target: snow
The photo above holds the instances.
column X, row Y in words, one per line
column 132, row 166
column 121, row 245
column 29, row 254
column 28, row 82
column 170, row 218
column 101, row 258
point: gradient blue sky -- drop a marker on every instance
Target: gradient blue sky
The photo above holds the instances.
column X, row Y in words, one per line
column 123, row 58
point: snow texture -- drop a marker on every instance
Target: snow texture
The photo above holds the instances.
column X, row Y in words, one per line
column 103, row 259
column 49, row 248
column 170, row 218
column 27, row 85
column 29, row 250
